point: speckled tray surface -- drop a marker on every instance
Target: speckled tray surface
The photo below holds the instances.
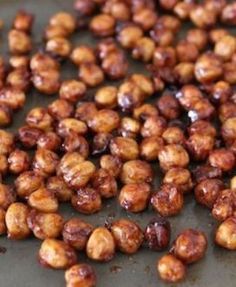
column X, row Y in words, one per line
column 19, row 266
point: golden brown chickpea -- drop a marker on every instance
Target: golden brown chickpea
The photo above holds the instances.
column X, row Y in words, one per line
column 102, row 25
column 87, row 200
column 188, row 96
column 39, row 118
column 225, row 47
column 145, row 111
column 168, row 201
column 3, row 228
column 74, row 142
column 47, row 81
column 162, row 36
column 207, row 191
column 85, row 8
column 71, row 125
column 184, row 72
column 202, row 18
column 40, row 60
column 198, row 37
column 144, row 83
column 221, row 92
column 105, row 47
column 127, row 234
column 68, row 161
column 134, row 197
column 64, row 20
column 223, row 159
column 49, row 141
column 80, row 275
column 202, row 109
column 168, row 106
column 60, row 109
column 164, row 56
column 202, row 127
column 3, row 164
column 173, row 135
column 168, row 4
column 203, row 172
column 180, row 177
column 144, row 49
column 58, row 187
column 19, row 79
column 83, row 54
column 228, row 129
column 28, row 136
column 129, row 35
column 190, row 246
column 129, row 127
column 150, row 147
column 146, row 18
column 101, row 245
column 72, row 90
column 23, row 21
column 173, row 155
column 228, row 14
column 171, row 269
column 12, row 97
column 182, row 9
column 76, row 233
column 124, row 148
column 59, row 47
column 225, row 234
column 91, row 74
column 208, row 68
column 230, row 72
column 216, row 34
column 6, row 142
column 216, row 6
column 19, row 161
column 170, row 22
column 153, row 126
column 51, row 32
column 7, row 196
column 56, row 254
column 233, row 182
column 19, row 42
column 186, row 51
column 111, row 163
column 16, row 221
column 5, row 115
column 45, row 225
column 137, row 5
column 85, row 111
column 120, row 10
column 106, row 97
column 101, row 143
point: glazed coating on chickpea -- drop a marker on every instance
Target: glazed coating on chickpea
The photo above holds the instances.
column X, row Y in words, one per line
column 71, row 125
column 60, row 109
column 203, row 172
column 80, row 275
column 111, row 163
column 223, row 159
column 19, row 161
column 64, row 20
column 102, row 25
column 7, row 196
column 125, row 148
column 39, row 118
column 6, row 143
column 74, row 142
column 59, row 188
column 46, row 81
column 144, row 49
column 49, row 141
column 150, row 148
column 129, row 35
column 13, row 97
column 72, row 90
column 59, row 47
column 101, row 143
column 3, row 228
column 101, row 245
column 23, row 21
column 91, row 74
column 225, row 234
column 19, row 42
column 174, row 135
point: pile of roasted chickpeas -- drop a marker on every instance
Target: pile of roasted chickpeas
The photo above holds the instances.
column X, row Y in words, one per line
column 181, row 117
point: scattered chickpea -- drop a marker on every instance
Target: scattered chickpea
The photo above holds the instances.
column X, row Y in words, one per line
column 125, row 148
column 144, row 49
column 145, row 111
column 58, row 187
column 225, row 234
column 74, row 142
column 162, row 36
column 202, row 18
column 60, row 109
column 198, row 37
column 85, row 111
column 173, row 135
column 146, row 18
column 49, row 140
column 101, row 143
column 80, row 275
column 19, row 79
column 225, row 47
column 83, row 54
column 72, row 90
column 233, row 182
column 12, row 97
column 23, row 21
column 182, row 9
column 91, row 74
column 5, row 115
column 19, row 42
column 47, row 81
column 184, row 72
column 85, row 8
column 150, row 148
column 228, row 14
column 129, row 35
column 19, row 161
column 40, row 60
column 120, row 10
column 65, row 21
column 58, row 46
column 187, row 51
column 106, row 97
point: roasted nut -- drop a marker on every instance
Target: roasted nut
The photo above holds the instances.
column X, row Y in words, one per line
column 3, row 228
column 28, row 136
column 16, row 221
column 207, row 191
column 28, row 182
column 129, row 35
column 173, row 155
column 125, row 148
column 134, row 197
column 173, row 135
column 23, row 21
column 5, row 115
column 228, row 14
column 164, row 57
column 145, row 111
column 91, row 74
column 80, row 275
column 127, row 234
column 223, row 159
column 60, row 109
column 162, row 35
column 6, row 143
column 19, row 161
column 225, row 234
column 7, row 196
column 72, row 90
column 184, row 72
column 144, row 49
column 225, row 47
column 87, row 200
column 12, row 97
column 206, row 172
column 186, row 51
column 3, row 164
column 198, row 37
column 58, row 187
column 49, row 141
column 85, row 111
column 45, row 225
column 201, row 110
column 56, row 254
column 120, row 10
column 228, row 128
column 74, row 142
column 106, row 97
column 59, row 47
column 190, row 246
column 202, row 18
column 39, row 118
column 43, row 200
column 40, row 60
column 83, row 54
column 146, row 18
column 150, row 147
column 19, row 42
column 215, row 6
column 202, row 127
column 168, row 201
column 101, row 245
column 47, row 81
column 168, row 106
column 157, row 234
column 171, row 269
column 64, row 20
column 111, row 163
column 153, row 126
column 101, row 143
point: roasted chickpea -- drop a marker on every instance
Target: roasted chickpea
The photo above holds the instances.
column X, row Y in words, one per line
column 144, row 83
column 41, row 60
column 74, row 142
column 190, row 246
column 120, row 10
column 124, row 148
column 233, row 182
column 85, row 8
column 12, row 97
column 134, row 197
column 170, row 22
column 150, row 148
column 71, row 125
column 168, row 4
column 182, row 9
column 19, row 79
column 171, row 269
column 43, row 200
column 145, row 111
column 72, row 90
column 6, row 142
column 5, row 115
column 153, row 126
column 162, row 35
column 19, row 161
column 157, row 234
column 105, row 47
column 101, row 143
column 39, row 118
column 129, row 35
column 80, row 275
column 168, row 201
column 229, row 72
column 164, row 57
column 146, row 18
column 67, row 161
column 19, row 42
column 127, row 234
column 45, row 225
column 47, row 81
column 180, row 177
column 3, row 228
column 101, row 245
column 3, row 164
column 202, row 127
column 186, row 51
column 83, row 54
column 206, row 172
column 223, row 159
column 173, row 135
column 87, row 200
column 228, row 128
column 91, row 74
column 228, row 14
column 16, row 221
column 28, row 136
column 225, row 234
column 49, row 141
column 221, row 92
column 51, row 31
column 168, row 106
column 202, row 18
column 216, row 34
column 85, row 111
column 60, row 109
column 144, row 49
column 58, row 187
column 106, row 97
column 184, row 72
column 225, row 47
column 198, row 37
column 56, row 254
column 59, row 47
column 23, row 21
column 102, row 25
column 188, row 96
column 111, row 163
column 7, row 196
column 64, row 20
column 129, row 127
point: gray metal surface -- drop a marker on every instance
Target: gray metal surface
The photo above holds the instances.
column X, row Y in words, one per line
column 19, row 266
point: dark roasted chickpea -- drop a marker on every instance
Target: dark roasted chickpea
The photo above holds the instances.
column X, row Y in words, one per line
column 124, row 148
column 3, row 228
column 49, row 141
column 188, row 96
column 208, row 68
column 19, row 79
column 171, row 269
column 60, row 109
column 190, row 246
column 85, row 8
column 225, row 234
column 157, row 234
column 225, row 205
column 12, row 97
column 228, row 129
column 74, row 142
column 23, row 21
column 7, row 196
column 101, row 143
column 51, row 32
column 111, row 163
column 87, row 200
column 180, row 177
column 164, row 56
column 64, row 20
column 146, row 18
column 168, row 201
column 85, row 111
column 202, row 18
column 76, row 233
column 106, row 97
column 145, row 111
column 225, row 47
column 5, row 115
column 43, row 200
column 223, row 159
column 58, row 187
column 59, row 47
column 173, row 135
column 202, row 109
column 168, row 106
column 6, row 142
column 47, row 81
column 101, row 245
column 80, row 275
column 83, row 54
column 102, row 25
column 3, row 164
column 45, row 225
column 150, row 147
column 120, row 10
column 91, row 74
column 127, row 234
column 162, row 35
column 129, row 35
column 41, row 60
column 228, row 14
column 71, row 125
column 153, row 126
column 19, row 42
column 136, row 171
column 28, row 136
column 134, row 197
column 198, row 37
column 173, row 155
column 184, row 72
column 202, row 127
column 19, row 161
column 206, row 172
column 56, row 254
column 72, row 90
column 207, row 191
column 186, row 51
